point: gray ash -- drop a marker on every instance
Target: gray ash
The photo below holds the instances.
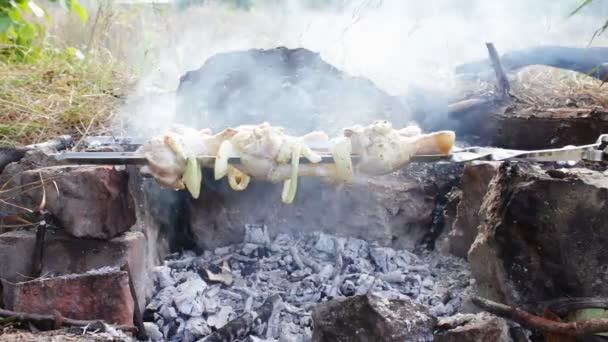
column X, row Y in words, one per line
column 197, row 295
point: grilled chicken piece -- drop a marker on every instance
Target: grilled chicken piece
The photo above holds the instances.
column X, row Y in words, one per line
column 383, row 149
column 167, row 153
column 263, row 148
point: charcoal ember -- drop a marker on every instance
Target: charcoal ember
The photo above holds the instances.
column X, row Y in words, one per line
column 371, row 318
column 347, row 272
column 188, row 297
column 222, row 317
column 153, row 332
column 356, row 248
column 348, row 288
column 383, row 258
column 162, row 298
column 195, row 329
column 365, row 283
column 167, row 312
column 162, row 277
column 326, row 244
column 257, row 234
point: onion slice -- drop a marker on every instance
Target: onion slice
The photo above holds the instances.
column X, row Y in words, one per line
column 193, row 177
column 221, row 160
column 290, row 186
column 341, row 150
column 237, row 179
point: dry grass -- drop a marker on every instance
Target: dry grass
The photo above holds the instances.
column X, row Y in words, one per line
column 58, row 95
column 545, row 87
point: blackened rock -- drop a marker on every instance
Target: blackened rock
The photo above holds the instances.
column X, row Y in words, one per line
column 542, row 238
column 393, row 210
column 371, row 318
column 293, row 88
column 10, row 155
column 474, row 184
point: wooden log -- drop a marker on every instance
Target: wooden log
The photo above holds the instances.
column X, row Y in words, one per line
column 527, row 319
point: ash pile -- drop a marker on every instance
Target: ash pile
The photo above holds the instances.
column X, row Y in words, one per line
column 270, row 290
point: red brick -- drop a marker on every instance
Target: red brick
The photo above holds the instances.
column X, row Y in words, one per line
column 88, row 296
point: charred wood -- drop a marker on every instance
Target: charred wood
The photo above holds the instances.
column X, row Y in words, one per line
column 590, row 61
column 137, row 314
column 501, row 78
column 244, row 324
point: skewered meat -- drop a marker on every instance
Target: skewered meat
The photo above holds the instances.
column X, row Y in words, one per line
column 383, row 149
column 167, row 154
column 268, row 153
column 265, row 151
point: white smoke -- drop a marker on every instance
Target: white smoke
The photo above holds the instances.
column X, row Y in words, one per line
column 398, row 44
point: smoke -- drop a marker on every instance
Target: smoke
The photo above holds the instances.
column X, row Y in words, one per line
column 402, row 46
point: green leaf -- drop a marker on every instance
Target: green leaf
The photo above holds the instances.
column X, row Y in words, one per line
column 80, row 11
column 27, row 31
column 580, row 7
column 15, row 15
column 193, row 177
column 5, row 22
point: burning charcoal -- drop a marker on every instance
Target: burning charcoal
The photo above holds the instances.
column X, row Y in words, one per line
column 325, row 244
column 289, row 332
column 257, row 234
column 222, row 275
column 162, row 298
column 299, row 275
column 252, row 338
column 249, row 248
column 348, row 288
column 181, row 277
column 442, row 310
column 221, row 318
column 356, row 248
column 428, row 282
column 365, row 284
column 153, row 332
column 231, row 294
column 162, row 277
column 411, row 286
column 167, row 313
column 188, row 299
column 392, row 277
column 382, row 258
column 196, row 328
column 245, row 323
column 222, row 250
column 272, row 327
column 171, row 329
column 326, row 272
column 249, row 303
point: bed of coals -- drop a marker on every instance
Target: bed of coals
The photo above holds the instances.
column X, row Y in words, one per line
column 265, row 290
